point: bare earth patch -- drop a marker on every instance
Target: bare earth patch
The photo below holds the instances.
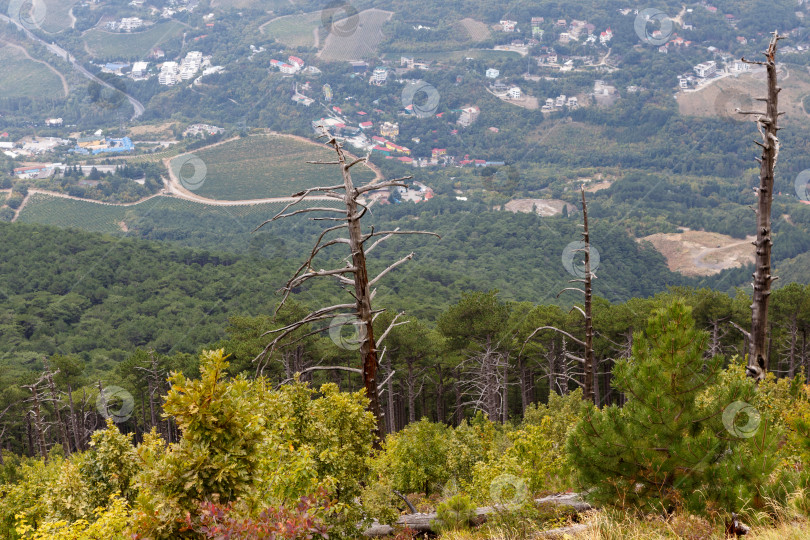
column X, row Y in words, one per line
column 362, row 43
column 700, row 253
column 721, row 97
column 156, row 130
column 543, row 207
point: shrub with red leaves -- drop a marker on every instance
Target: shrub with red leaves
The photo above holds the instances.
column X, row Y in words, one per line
column 304, row 522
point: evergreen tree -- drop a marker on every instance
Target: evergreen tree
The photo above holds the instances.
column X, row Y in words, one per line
column 690, row 433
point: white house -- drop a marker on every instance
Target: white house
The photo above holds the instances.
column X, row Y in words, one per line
column 508, row 26
column 515, row 93
column 139, row 69
column 493, row 73
column 379, row 76
column 128, row 24
column 169, row 73
column 606, row 36
column 706, row 69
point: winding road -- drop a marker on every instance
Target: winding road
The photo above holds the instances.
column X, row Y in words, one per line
column 62, row 53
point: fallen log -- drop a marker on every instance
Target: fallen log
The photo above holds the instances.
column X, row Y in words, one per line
column 421, row 522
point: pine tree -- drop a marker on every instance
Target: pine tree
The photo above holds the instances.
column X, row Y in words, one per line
column 689, row 435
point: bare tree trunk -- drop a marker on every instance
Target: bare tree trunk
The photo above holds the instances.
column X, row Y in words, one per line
column 54, row 398
column 767, row 124
column 74, row 424
column 505, row 392
column 440, row 413
column 40, row 435
column 590, row 362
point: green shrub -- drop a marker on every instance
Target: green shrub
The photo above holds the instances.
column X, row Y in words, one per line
column 457, row 512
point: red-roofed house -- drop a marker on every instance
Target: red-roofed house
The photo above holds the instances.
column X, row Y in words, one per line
column 337, row 109
column 366, row 125
column 439, row 152
column 362, row 113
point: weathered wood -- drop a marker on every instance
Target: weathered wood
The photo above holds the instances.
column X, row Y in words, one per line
column 422, row 522
column 767, row 125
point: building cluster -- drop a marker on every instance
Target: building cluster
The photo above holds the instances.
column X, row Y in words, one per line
column 291, row 66
column 172, row 73
column 97, row 144
column 468, row 116
column 31, row 146
column 127, row 24
column 195, row 130
column 560, row 102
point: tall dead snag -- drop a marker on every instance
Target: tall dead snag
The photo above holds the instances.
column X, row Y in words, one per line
column 360, row 310
column 767, row 125
column 588, row 361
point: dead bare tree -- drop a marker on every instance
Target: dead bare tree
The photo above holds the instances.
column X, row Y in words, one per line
column 360, row 310
column 588, row 361
column 39, row 431
column 767, row 126
column 55, row 400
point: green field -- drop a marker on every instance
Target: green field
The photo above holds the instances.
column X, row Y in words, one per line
column 130, row 46
column 261, row 166
column 294, row 30
column 362, row 43
column 22, row 77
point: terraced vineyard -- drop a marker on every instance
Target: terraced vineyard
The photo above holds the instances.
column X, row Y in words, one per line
column 262, row 166
column 362, row 43
column 134, row 46
column 294, row 30
column 22, row 77
column 159, row 218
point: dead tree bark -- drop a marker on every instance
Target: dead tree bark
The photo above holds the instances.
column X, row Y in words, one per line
column 363, row 294
column 767, row 125
column 55, row 399
column 588, row 359
column 39, row 432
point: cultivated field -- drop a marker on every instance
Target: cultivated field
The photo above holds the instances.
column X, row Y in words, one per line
column 699, row 253
column 475, row 30
column 164, row 211
column 266, row 165
column 20, row 76
column 723, row 96
column 267, row 5
column 57, row 16
column 136, row 45
column 362, row 43
column 454, row 56
column 294, row 30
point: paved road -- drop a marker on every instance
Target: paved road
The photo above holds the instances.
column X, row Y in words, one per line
column 59, row 51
